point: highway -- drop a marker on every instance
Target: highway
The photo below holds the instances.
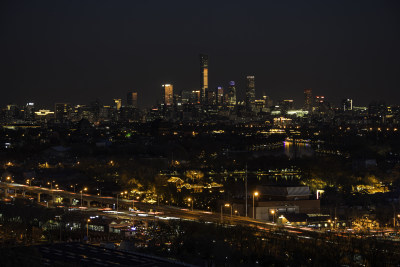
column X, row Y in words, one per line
column 160, row 211
column 153, row 211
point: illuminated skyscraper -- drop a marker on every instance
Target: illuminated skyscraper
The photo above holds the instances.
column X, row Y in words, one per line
column 118, row 104
column 168, row 94
column 132, row 99
column 196, row 95
column 308, row 101
column 250, row 93
column 29, row 111
column 232, row 93
column 186, row 96
column 203, row 76
column 63, row 111
column 347, row 104
column 211, row 97
column 220, row 95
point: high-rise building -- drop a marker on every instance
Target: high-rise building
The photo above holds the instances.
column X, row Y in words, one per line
column 220, row 95
column 95, row 109
column 118, row 103
column 319, row 99
column 211, row 97
column 29, row 113
column 232, row 93
column 186, row 96
column 347, row 104
column 286, row 105
column 196, row 97
column 250, row 93
column 168, row 94
column 308, row 101
column 203, row 77
column 62, row 111
column 132, row 99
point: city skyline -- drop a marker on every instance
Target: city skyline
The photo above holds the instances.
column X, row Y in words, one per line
column 219, row 133
column 340, row 49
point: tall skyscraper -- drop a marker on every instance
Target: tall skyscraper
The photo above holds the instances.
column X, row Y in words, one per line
column 118, row 103
column 347, row 104
column 308, row 100
column 168, row 94
column 220, row 95
column 203, row 77
column 132, row 99
column 196, row 97
column 250, row 93
column 62, row 111
column 186, row 96
column 211, row 98
column 29, row 111
column 232, row 93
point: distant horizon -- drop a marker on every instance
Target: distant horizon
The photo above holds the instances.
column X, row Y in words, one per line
column 297, row 105
column 69, row 51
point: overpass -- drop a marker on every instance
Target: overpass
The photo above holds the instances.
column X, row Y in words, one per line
column 54, row 193
column 165, row 210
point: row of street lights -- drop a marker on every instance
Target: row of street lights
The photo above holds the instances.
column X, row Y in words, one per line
column 255, row 194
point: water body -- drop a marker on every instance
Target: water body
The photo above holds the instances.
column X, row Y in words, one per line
column 289, row 150
column 298, row 150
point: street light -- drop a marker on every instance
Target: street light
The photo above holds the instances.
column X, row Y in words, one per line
column 29, row 181
column 254, row 194
column 84, row 189
column 191, row 200
column 273, row 215
column 51, row 185
column 87, row 229
column 73, row 186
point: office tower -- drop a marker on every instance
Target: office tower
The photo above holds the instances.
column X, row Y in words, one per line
column 232, row 93
column 44, row 115
column 220, row 95
column 377, row 109
column 203, row 76
column 132, row 99
column 168, row 94
column 347, row 104
column 196, row 97
column 118, row 103
column 286, row 105
column 250, row 93
column 308, row 103
column 29, row 111
column 95, row 109
column 321, row 105
column 268, row 101
column 319, row 99
column 105, row 113
column 211, row 98
column 62, row 111
column 186, row 96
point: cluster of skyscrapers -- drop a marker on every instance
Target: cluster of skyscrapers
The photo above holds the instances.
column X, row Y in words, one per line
column 205, row 96
column 202, row 103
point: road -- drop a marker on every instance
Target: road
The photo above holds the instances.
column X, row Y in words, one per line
column 163, row 212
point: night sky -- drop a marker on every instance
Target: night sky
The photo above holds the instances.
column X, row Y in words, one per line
column 79, row 51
